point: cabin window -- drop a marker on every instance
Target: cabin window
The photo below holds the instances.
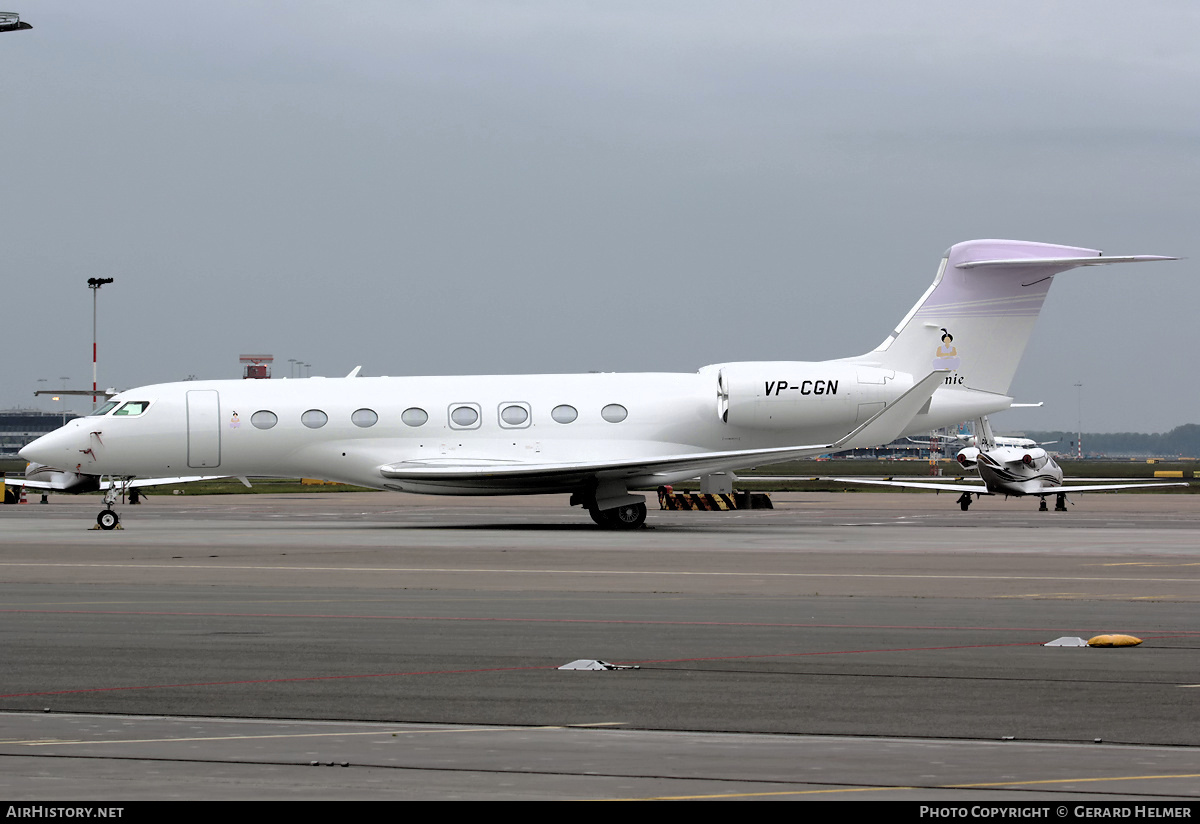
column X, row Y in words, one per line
column 104, row 410
column 513, row 415
column 414, row 416
column 614, row 413
column 564, row 413
column 132, row 408
column 262, row 419
column 364, row 418
column 464, row 416
column 314, row 419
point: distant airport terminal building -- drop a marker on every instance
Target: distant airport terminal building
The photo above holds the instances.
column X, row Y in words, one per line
column 21, row 426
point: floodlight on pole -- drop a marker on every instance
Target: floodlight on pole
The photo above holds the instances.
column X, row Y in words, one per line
column 94, row 284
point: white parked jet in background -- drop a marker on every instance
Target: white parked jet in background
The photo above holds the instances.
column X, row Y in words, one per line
column 1013, row 467
column 47, row 479
column 596, row 436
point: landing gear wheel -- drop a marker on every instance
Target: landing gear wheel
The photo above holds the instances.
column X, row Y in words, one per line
column 108, row 519
column 964, row 501
column 601, row 516
column 630, row 516
column 1042, row 507
column 627, row 517
column 1060, row 502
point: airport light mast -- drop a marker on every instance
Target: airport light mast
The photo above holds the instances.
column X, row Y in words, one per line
column 1079, row 411
column 94, row 284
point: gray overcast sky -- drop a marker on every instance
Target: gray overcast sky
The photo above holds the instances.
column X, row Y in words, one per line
column 489, row 187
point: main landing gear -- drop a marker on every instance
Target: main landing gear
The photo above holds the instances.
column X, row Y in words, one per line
column 630, row 516
column 1060, row 503
column 629, row 511
column 964, row 501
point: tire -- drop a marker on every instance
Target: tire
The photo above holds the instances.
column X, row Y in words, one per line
column 108, row 519
column 628, row 517
column 601, row 517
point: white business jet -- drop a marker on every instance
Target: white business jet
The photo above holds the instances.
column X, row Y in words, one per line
column 595, row 436
column 1012, row 467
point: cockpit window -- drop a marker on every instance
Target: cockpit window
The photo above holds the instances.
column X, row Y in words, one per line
column 132, row 408
column 103, row 410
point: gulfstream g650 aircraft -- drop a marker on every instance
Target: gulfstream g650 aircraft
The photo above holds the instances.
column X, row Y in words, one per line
column 596, row 436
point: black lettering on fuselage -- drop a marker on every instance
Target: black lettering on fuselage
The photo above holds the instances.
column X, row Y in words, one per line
column 819, row 388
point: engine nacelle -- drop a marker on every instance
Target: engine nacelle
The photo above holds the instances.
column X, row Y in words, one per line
column 967, row 458
column 1034, row 458
column 795, row 394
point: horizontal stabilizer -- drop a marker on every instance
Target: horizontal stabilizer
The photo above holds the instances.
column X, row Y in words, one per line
column 1060, row 263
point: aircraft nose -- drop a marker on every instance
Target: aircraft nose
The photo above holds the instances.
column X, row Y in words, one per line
column 59, row 448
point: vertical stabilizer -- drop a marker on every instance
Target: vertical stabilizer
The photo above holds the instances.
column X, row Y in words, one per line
column 976, row 318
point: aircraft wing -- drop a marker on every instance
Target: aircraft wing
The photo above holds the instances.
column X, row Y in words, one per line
column 77, row 486
column 882, row 427
column 45, row 486
column 186, row 479
column 977, row 487
column 1070, row 487
column 973, row 485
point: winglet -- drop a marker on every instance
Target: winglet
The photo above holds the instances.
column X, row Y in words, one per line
column 885, row 426
column 354, row 372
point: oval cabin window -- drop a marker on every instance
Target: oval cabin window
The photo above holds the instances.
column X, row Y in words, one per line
column 364, row 417
column 464, row 416
column 514, row 415
column 564, row 413
column 414, row 416
column 314, row 419
column 614, row 413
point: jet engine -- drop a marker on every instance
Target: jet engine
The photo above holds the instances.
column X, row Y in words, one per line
column 967, row 458
column 1034, row 458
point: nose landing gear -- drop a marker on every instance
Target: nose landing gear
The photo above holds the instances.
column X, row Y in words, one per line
column 108, row 517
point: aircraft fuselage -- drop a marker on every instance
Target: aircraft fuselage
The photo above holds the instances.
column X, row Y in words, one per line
column 1008, row 470
column 346, row 429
